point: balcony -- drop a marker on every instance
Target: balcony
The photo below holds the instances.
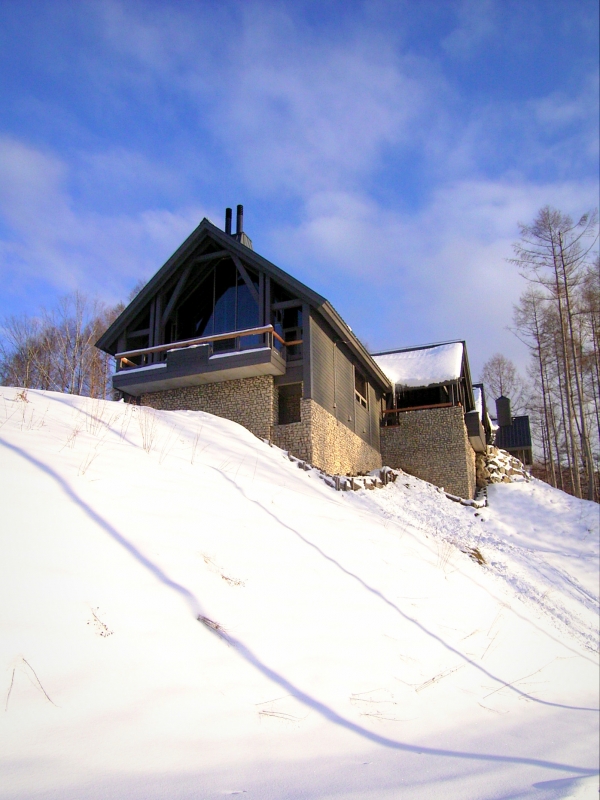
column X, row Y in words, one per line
column 208, row 359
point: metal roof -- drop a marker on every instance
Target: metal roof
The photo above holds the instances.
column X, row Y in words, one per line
column 517, row 435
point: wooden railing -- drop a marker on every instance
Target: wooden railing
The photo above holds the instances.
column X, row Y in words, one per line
column 269, row 331
column 390, row 415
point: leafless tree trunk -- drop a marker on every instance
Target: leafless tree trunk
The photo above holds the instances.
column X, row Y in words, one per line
column 553, row 253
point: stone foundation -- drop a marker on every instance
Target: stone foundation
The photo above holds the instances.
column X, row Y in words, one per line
column 318, row 438
column 252, row 402
column 432, row 444
column 325, row 443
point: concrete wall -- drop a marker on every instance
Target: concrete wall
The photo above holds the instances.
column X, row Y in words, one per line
column 432, row 444
column 326, row 443
column 252, row 402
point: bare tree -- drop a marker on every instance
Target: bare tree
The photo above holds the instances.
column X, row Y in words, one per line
column 55, row 350
column 20, row 351
column 531, row 323
column 554, row 254
column 502, row 379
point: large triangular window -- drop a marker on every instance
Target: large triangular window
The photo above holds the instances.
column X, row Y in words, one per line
column 222, row 303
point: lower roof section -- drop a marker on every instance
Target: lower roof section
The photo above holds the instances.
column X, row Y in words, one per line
column 422, row 366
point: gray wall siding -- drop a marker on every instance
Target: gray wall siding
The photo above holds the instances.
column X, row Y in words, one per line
column 333, row 384
column 321, row 357
column 362, row 422
column 374, row 416
column 306, row 352
column 344, row 389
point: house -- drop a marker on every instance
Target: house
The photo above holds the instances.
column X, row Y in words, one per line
column 431, row 425
column 481, row 407
column 513, row 434
column 221, row 329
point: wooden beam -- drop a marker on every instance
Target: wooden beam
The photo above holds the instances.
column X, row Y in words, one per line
column 209, row 256
column 242, row 270
column 176, row 295
column 157, row 317
column 286, row 304
column 261, row 298
column 417, row 408
column 267, row 300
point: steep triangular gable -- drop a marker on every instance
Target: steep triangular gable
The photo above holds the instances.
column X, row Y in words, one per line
column 206, row 241
column 210, row 241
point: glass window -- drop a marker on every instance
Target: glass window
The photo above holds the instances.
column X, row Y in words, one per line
column 247, row 312
column 288, row 324
column 360, row 388
column 194, row 315
column 222, row 303
column 225, row 294
column 290, row 397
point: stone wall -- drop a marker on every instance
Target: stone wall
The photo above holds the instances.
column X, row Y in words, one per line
column 326, row 443
column 252, row 402
column 432, row 444
column 318, row 438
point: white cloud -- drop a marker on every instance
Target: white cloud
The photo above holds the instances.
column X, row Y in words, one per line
column 309, row 118
column 292, row 111
column 475, row 26
column 438, row 274
column 67, row 248
column 312, row 116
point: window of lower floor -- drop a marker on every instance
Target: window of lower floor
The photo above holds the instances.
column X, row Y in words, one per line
column 290, row 396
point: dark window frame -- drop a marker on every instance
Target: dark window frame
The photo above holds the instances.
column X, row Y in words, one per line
column 361, row 388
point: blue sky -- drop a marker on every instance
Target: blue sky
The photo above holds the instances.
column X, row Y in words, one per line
column 384, row 151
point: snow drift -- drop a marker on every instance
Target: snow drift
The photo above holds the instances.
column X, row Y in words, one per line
column 185, row 614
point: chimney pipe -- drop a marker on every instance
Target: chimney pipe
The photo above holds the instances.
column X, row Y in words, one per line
column 503, row 414
column 239, row 228
column 228, row 215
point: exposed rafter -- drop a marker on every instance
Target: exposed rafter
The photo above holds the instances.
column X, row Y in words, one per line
column 176, row 294
column 242, row 270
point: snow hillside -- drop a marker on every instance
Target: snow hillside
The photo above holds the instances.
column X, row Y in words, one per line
column 186, row 614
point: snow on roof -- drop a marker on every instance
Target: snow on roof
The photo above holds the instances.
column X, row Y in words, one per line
column 424, row 366
column 478, row 401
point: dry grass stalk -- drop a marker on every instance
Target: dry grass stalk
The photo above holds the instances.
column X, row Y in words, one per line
column 148, row 428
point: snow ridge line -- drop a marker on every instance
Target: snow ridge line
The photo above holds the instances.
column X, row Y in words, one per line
column 102, row 523
column 392, row 605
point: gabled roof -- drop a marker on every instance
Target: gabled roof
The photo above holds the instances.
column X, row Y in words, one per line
column 203, row 240
column 517, row 435
column 427, row 365
column 198, row 243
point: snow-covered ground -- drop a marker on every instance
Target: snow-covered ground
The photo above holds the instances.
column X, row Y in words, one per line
column 350, row 644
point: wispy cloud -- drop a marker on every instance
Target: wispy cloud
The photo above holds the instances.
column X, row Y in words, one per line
column 52, row 241
column 475, row 26
column 437, row 274
column 379, row 174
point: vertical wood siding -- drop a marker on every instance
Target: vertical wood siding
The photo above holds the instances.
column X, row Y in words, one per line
column 374, row 416
column 344, row 388
column 332, row 370
column 321, row 357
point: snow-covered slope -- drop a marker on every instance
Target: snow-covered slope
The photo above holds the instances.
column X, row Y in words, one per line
column 186, row 614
